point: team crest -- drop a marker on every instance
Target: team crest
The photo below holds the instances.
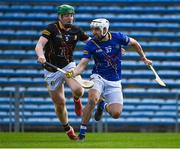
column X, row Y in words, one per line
column 67, row 37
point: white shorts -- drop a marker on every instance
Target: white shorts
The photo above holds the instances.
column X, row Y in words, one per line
column 56, row 79
column 111, row 91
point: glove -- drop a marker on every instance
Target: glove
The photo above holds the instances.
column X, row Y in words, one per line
column 69, row 74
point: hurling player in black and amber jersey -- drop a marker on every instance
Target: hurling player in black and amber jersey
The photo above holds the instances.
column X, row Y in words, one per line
column 56, row 46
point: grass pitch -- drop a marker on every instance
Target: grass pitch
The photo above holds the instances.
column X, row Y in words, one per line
column 93, row 140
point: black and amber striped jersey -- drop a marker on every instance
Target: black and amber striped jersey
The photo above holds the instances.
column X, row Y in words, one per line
column 61, row 43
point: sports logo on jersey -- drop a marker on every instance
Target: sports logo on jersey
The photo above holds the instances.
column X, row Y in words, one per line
column 99, row 50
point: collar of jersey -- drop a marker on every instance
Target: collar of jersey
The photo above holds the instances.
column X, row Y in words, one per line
column 60, row 25
column 110, row 36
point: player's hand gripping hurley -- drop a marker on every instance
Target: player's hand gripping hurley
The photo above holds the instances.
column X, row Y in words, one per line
column 157, row 79
column 149, row 64
column 84, row 83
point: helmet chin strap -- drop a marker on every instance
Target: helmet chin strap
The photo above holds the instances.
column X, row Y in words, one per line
column 103, row 36
column 67, row 25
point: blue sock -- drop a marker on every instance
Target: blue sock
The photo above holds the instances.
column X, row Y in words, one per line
column 83, row 128
column 103, row 105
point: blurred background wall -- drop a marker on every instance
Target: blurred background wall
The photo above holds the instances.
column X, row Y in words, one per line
column 24, row 101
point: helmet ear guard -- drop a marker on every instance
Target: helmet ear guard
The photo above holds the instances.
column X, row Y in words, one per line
column 101, row 24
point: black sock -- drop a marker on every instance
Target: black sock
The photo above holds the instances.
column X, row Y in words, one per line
column 66, row 127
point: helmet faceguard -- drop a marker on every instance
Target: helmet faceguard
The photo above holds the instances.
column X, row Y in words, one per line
column 101, row 24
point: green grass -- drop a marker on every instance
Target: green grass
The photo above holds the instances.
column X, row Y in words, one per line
column 93, row 140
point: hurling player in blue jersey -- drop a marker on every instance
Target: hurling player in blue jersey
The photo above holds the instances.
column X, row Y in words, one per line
column 104, row 47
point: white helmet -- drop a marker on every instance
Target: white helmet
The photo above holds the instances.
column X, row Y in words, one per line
column 101, row 24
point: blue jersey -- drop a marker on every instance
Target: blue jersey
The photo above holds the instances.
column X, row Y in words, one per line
column 107, row 55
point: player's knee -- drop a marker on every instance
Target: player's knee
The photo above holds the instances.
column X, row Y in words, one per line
column 116, row 114
column 93, row 97
column 78, row 92
column 92, row 103
column 60, row 105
